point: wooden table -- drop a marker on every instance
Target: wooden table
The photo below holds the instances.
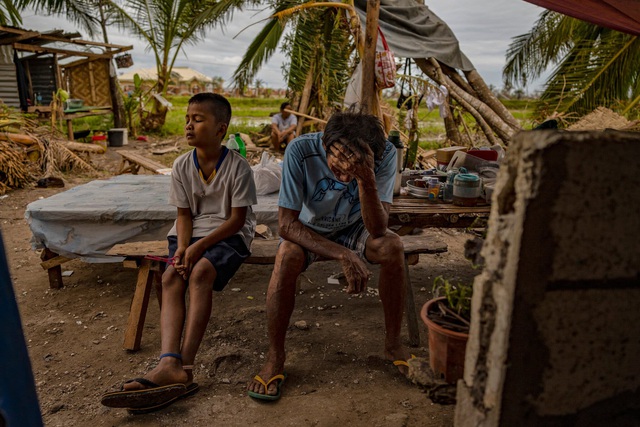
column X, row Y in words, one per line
column 410, row 212
column 44, row 112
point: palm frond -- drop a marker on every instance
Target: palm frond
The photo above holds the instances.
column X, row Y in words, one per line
column 596, row 72
column 530, row 54
column 322, row 47
column 9, row 13
column 260, row 49
column 80, row 12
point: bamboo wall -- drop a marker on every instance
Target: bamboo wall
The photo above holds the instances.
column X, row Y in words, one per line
column 89, row 81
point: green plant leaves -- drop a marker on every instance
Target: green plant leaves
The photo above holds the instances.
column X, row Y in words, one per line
column 458, row 295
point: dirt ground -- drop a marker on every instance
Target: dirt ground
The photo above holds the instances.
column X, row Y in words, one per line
column 336, row 370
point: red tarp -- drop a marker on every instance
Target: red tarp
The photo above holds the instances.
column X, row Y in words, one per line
column 620, row 15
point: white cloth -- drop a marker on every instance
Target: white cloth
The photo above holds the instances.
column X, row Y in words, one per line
column 437, row 97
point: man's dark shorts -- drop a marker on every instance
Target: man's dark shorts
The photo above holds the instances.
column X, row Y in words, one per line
column 353, row 237
column 226, row 257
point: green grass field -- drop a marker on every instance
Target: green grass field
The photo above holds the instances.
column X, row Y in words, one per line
column 250, row 115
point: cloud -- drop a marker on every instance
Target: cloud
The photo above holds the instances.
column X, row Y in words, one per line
column 483, row 28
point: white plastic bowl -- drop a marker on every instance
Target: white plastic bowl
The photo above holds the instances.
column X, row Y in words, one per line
column 415, row 190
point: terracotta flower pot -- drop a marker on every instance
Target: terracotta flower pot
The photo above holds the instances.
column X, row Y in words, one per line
column 446, row 347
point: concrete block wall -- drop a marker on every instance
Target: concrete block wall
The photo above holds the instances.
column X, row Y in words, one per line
column 555, row 334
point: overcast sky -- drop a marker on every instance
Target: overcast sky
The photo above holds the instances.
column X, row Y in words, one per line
column 483, row 28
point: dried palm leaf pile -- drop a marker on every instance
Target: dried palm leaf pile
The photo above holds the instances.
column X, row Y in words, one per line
column 15, row 169
column 603, row 118
column 29, row 152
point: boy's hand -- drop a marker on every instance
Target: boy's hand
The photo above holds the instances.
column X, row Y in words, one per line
column 178, row 263
column 186, row 263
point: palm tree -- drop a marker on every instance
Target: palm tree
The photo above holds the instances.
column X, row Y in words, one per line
column 167, row 26
column 594, row 66
column 218, row 83
column 320, row 49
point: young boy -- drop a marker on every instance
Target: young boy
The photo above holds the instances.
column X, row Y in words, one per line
column 213, row 189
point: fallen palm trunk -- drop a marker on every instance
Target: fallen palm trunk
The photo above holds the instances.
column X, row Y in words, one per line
column 495, row 121
column 84, row 148
column 20, row 138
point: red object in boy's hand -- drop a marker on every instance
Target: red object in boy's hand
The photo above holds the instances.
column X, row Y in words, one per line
column 169, row 261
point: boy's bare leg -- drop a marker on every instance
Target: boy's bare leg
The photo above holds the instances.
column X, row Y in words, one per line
column 389, row 253
column 281, row 294
column 172, row 313
column 200, row 302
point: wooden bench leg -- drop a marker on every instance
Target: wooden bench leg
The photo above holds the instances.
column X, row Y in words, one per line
column 55, row 272
column 410, row 308
column 139, row 304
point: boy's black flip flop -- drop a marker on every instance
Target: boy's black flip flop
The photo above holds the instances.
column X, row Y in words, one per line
column 191, row 390
column 154, row 394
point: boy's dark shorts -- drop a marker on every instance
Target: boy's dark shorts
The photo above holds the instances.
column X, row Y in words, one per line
column 226, row 256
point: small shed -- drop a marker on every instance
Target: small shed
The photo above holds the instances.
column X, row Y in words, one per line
column 34, row 65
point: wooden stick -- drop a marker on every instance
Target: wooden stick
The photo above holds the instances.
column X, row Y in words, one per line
column 453, row 313
column 306, row 116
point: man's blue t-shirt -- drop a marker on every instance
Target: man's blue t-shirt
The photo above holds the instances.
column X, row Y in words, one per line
column 309, row 186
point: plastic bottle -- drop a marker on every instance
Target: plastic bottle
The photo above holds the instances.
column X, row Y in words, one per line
column 434, row 189
column 241, row 146
column 394, row 138
column 232, row 144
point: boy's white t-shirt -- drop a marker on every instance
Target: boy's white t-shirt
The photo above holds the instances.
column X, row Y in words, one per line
column 210, row 204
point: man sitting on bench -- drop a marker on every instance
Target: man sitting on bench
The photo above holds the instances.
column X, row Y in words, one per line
column 336, row 192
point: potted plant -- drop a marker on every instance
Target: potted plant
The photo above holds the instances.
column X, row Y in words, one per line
column 447, row 317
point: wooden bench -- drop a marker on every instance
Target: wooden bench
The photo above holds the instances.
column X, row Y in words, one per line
column 132, row 162
column 262, row 252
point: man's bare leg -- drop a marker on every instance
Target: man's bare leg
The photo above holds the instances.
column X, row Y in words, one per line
column 275, row 141
column 281, row 295
column 389, row 253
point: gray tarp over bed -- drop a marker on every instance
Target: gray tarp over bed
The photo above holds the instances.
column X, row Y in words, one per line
column 87, row 220
column 413, row 31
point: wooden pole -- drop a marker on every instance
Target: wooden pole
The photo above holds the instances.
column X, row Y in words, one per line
column 306, row 116
column 368, row 94
column 304, row 102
